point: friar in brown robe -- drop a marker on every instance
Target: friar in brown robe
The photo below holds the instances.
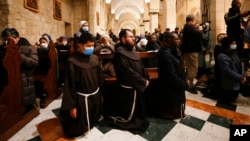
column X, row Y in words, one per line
column 81, row 102
column 124, row 106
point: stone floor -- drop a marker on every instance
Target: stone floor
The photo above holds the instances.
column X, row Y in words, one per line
column 208, row 120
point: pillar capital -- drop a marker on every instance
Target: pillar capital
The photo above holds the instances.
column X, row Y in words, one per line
column 153, row 13
column 146, row 21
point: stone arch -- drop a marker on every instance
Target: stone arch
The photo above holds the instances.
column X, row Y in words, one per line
column 127, row 10
column 127, row 20
column 122, row 4
column 196, row 12
column 130, row 24
column 180, row 21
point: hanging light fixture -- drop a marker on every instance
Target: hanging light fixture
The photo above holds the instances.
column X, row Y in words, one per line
column 108, row 1
column 147, row 1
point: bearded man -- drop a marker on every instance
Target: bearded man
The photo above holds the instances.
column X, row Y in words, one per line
column 125, row 108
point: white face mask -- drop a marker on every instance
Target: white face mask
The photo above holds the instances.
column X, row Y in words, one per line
column 44, row 45
column 234, row 46
column 64, row 43
column 85, row 28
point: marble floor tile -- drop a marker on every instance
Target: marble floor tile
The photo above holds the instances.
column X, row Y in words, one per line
column 213, row 132
column 208, row 101
column 181, row 132
column 120, row 135
column 197, row 113
column 243, row 110
column 193, row 122
column 219, row 120
column 208, row 121
column 158, row 128
column 93, row 135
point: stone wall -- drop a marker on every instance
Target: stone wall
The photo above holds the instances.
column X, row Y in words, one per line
column 80, row 12
column 32, row 25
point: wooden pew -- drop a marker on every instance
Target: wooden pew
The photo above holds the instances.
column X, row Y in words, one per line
column 153, row 72
column 11, row 108
column 147, row 54
column 141, row 54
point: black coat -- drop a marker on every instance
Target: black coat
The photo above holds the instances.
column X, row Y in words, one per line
column 29, row 59
column 191, row 39
column 233, row 22
column 171, row 79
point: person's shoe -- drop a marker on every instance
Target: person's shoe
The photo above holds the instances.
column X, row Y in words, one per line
column 37, row 103
column 42, row 103
column 192, row 90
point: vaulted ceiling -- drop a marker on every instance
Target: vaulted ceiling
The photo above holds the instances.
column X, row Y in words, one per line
column 127, row 13
column 123, row 7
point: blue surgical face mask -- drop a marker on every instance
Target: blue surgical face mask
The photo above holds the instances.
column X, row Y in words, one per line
column 88, row 51
column 234, row 46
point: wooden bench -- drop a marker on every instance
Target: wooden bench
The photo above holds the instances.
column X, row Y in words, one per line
column 11, row 107
column 141, row 54
column 153, row 72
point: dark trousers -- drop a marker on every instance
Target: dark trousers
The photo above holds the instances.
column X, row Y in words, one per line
column 229, row 96
column 40, row 92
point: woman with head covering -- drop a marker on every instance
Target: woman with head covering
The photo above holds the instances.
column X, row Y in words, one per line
column 45, row 49
column 230, row 71
column 83, row 28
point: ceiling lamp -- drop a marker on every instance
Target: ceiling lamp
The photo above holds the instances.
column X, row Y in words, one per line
column 108, row 1
column 147, row 1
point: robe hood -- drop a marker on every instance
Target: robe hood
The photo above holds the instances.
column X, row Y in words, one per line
column 132, row 54
column 84, row 61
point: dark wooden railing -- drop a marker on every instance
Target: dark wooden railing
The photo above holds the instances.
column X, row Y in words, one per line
column 153, row 72
column 11, row 108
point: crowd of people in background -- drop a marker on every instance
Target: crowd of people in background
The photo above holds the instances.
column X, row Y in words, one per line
column 183, row 55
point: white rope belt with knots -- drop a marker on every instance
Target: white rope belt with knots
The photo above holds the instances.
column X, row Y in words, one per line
column 120, row 119
column 86, row 103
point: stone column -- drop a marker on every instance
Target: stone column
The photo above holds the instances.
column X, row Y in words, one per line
column 218, row 9
column 146, row 25
column 154, row 9
column 154, row 21
column 92, row 5
column 169, row 14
